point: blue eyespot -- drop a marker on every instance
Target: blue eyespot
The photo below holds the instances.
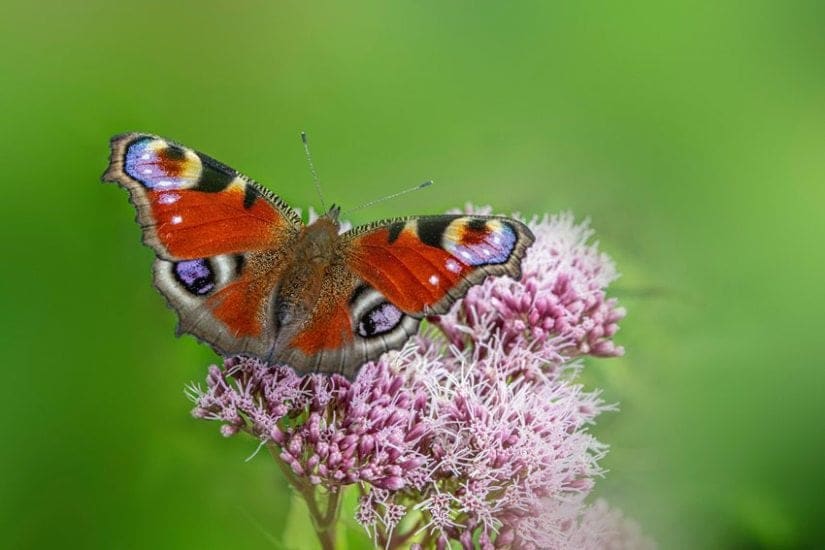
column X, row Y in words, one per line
column 196, row 276
column 381, row 319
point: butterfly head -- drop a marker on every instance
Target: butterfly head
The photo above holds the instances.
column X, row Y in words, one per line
column 334, row 212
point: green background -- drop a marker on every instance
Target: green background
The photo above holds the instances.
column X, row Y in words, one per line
column 692, row 134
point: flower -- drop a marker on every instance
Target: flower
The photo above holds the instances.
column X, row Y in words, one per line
column 502, row 446
column 330, row 431
column 475, row 433
column 559, row 305
column 600, row 527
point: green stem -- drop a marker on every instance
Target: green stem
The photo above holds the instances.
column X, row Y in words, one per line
column 400, row 540
column 324, row 521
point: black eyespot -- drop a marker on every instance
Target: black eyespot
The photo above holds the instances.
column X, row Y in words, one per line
column 477, row 225
column 196, row 276
column 379, row 320
column 173, row 152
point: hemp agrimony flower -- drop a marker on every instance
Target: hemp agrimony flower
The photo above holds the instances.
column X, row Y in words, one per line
column 476, row 433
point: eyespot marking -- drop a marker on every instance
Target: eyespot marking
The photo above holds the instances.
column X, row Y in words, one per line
column 196, row 276
column 381, row 319
column 477, row 224
column 160, row 165
column 480, row 241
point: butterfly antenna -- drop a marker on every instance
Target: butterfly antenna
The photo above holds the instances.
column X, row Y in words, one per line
column 312, row 170
column 388, row 197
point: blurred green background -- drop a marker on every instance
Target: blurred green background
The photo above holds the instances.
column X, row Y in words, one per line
column 692, row 134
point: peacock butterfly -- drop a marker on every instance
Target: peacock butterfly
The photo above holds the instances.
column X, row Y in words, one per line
column 246, row 276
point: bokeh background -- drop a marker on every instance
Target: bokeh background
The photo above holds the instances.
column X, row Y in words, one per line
column 692, row 134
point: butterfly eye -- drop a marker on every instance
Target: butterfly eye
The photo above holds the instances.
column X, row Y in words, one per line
column 379, row 320
column 196, row 276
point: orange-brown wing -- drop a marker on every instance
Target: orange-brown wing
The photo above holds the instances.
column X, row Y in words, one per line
column 191, row 206
column 422, row 265
column 220, row 239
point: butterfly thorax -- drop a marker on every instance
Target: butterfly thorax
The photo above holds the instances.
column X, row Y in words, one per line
column 302, row 282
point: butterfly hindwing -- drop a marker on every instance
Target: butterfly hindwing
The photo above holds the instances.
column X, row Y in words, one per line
column 224, row 300
column 422, row 265
column 352, row 324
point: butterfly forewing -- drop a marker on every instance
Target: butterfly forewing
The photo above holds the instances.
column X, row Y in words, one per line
column 424, row 264
column 221, row 239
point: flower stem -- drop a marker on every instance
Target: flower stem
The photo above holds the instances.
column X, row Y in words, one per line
column 324, row 521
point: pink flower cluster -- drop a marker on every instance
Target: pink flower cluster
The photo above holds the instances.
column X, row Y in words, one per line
column 502, row 446
column 559, row 304
column 329, row 430
column 476, row 433
column 601, row 527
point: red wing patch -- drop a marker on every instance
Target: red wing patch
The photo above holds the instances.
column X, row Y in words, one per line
column 326, row 331
column 412, row 275
column 240, row 306
column 191, row 206
column 422, row 265
column 196, row 224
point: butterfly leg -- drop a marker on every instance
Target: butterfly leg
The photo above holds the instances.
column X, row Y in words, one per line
column 270, row 355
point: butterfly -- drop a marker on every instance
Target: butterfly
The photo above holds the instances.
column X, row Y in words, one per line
column 245, row 275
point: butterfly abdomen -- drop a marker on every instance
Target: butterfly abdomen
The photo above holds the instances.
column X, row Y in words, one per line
column 300, row 286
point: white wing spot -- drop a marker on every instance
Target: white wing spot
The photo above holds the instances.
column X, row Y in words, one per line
column 466, row 254
column 177, row 219
column 145, row 156
column 434, row 280
column 453, row 266
column 169, row 198
column 147, row 170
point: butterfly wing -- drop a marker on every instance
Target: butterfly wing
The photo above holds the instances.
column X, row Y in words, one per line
column 220, row 238
column 422, row 265
column 391, row 274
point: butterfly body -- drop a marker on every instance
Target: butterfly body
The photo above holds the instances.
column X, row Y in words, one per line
column 246, row 276
column 316, row 257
